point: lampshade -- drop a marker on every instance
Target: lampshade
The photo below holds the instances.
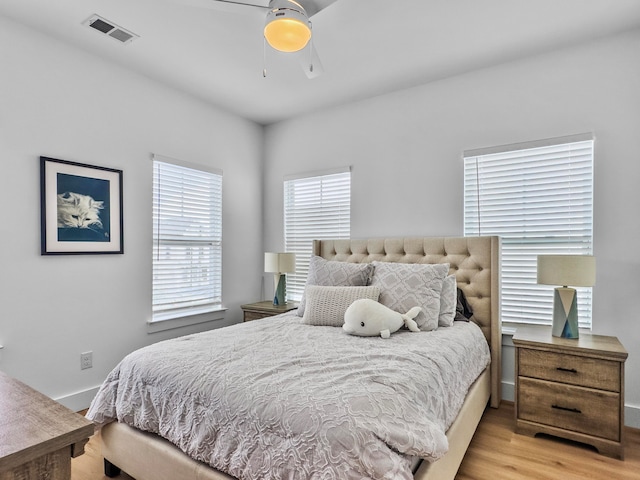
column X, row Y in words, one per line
column 567, row 270
column 287, row 27
column 279, row 262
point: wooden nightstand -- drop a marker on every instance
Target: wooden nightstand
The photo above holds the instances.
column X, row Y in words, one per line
column 571, row 388
column 254, row 311
column 38, row 436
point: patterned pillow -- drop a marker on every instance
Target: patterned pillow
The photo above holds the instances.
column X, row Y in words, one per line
column 335, row 274
column 326, row 305
column 448, row 301
column 405, row 285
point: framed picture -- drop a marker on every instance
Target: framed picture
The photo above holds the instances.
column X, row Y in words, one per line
column 81, row 208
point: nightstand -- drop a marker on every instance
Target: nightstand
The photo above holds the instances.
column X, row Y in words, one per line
column 571, row 388
column 39, row 436
column 254, row 311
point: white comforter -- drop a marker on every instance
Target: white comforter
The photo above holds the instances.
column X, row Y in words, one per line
column 276, row 399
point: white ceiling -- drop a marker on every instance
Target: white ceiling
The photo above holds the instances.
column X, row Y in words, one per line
column 367, row 47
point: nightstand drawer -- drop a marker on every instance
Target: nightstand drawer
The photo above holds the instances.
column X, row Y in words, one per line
column 571, row 369
column 258, row 310
column 578, row 409
column 248, row 316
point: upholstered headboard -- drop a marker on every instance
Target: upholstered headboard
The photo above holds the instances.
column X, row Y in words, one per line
column 475, row 261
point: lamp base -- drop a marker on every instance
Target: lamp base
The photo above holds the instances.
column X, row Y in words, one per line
column 565, row 313
column 281, row 283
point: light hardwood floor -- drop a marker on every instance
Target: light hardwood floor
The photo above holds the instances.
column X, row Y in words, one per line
column 496, row 453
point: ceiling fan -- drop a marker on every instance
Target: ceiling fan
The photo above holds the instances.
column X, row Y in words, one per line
column 287, row 26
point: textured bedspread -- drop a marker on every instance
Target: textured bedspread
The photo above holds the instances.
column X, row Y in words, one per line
column 275, row 399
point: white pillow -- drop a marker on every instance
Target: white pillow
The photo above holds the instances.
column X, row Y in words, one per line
column 448, row 301
column 335, row 274
column 406, row 285
column 326, row 305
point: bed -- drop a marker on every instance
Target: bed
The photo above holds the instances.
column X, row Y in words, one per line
column 474, row 261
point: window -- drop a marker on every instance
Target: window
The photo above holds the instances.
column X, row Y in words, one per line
column 316, row 207
column 539, row 198
column 187, row 239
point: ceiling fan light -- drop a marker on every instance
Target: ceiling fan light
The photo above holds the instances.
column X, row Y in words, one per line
column 287, row 30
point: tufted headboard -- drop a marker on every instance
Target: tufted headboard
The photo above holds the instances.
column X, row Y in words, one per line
column 475, row 261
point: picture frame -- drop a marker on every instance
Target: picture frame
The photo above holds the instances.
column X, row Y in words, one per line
column 80, row 208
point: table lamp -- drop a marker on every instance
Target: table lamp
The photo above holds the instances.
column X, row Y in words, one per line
column 566, row 270
column 279, row 264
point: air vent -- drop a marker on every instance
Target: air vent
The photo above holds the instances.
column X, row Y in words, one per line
column 109, row 28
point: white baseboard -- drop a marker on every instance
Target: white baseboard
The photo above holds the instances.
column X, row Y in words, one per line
column 631, row 412
column 632, row 416
column 79, row 400
column 508, row 391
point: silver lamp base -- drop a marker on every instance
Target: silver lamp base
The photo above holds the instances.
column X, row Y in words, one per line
column 565, row 313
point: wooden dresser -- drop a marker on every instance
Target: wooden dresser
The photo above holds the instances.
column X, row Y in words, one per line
column 571, row 388
column 38, row 436
column 255, row 311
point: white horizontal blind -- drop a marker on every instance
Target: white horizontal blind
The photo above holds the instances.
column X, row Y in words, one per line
column 187, row 240
column 540, row 201
column 316, row 207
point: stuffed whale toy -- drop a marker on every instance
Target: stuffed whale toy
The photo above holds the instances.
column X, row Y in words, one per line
column 368, row 318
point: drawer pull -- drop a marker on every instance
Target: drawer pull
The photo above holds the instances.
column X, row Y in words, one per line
column 568, row 370
column 566, row 409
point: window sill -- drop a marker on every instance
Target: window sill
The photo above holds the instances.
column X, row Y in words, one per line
column 509, row 330
column 178, row 320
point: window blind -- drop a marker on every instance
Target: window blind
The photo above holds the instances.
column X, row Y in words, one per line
column 539, row 199
column 316, row 207
column 187, row 240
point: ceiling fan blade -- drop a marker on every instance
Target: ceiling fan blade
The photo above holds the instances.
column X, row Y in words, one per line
column 314, row 6
column 261, row 4
column 233, row 6
column 310, row 61
column 241, row 6
column 311, row 6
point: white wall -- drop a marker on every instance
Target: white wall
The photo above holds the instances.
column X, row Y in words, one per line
column 59, row 102
column 405, row 149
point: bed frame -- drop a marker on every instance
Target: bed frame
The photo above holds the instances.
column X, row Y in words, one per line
column 475, row 261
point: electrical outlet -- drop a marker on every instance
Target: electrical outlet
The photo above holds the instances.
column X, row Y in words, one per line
column 86, row 360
